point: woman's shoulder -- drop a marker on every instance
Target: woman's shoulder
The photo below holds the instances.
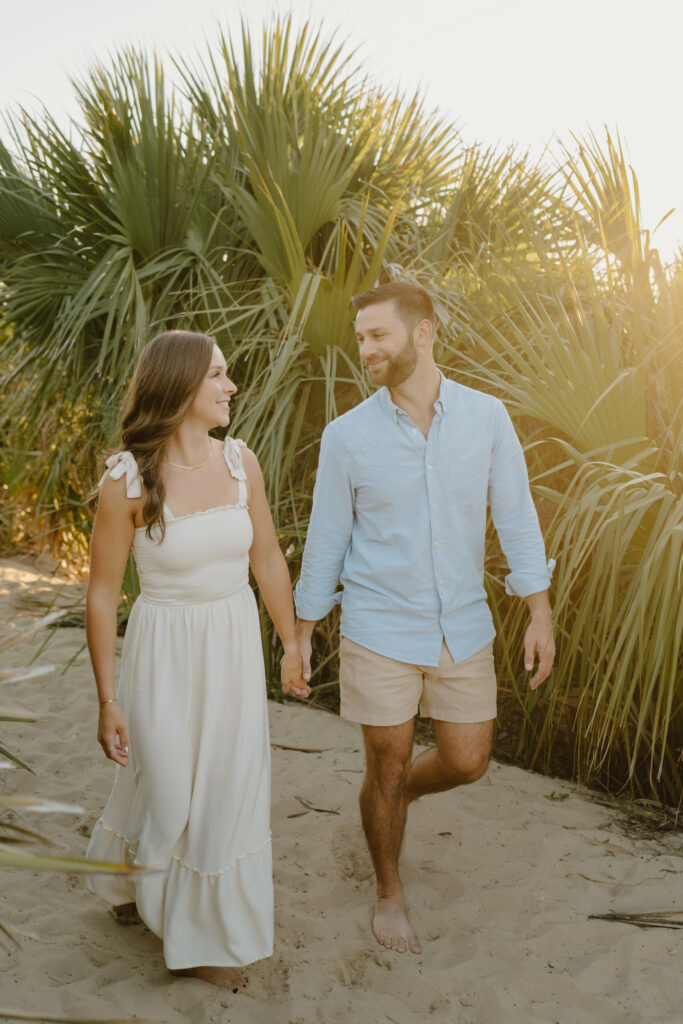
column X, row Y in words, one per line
column 238, row 456
column 121, row 466
column 242, row 462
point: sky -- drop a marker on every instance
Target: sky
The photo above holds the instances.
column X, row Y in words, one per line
column 528, row 72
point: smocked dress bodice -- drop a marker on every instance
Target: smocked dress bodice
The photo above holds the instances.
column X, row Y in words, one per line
column 203, row 556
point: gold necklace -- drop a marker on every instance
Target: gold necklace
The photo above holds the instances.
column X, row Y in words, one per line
column 179, row 465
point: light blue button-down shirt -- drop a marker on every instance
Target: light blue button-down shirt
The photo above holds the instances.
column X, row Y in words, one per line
column 400, row 521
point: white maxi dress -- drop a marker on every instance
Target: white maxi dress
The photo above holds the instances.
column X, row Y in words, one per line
column 194, row 799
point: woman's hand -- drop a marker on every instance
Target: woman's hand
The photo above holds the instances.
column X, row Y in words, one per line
column 112, row 733
column 291, row 674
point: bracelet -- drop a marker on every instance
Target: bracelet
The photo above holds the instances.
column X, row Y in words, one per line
column 112, row 700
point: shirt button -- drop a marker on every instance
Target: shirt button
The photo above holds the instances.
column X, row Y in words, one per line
column 429, row 466
column 414, row 430
column 433, row 506
column 436, row 543
column 440, row 581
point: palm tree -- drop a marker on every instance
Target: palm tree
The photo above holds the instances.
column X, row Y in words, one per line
column 101, row 243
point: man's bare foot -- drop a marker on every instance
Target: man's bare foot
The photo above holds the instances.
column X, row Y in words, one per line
column 126, row 913
column 392, row 927
column 224, row 977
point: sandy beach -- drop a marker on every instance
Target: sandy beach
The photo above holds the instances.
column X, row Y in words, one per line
column 500, row 876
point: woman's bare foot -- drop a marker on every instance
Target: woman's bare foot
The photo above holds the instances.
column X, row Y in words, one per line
column 392, row 928
column 126, row 913
column 224, row 977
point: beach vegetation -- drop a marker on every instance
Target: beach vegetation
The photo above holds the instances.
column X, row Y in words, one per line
column 15, row 834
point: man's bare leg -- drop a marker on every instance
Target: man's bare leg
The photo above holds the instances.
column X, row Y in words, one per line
column 383, row 812
column 224, row 977
column 461, row 755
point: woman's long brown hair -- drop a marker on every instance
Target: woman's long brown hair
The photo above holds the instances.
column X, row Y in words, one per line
column 168, row 375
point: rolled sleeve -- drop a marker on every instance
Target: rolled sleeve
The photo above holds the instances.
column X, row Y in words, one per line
column 329, row 532
column 514, row 515
column 522, row 584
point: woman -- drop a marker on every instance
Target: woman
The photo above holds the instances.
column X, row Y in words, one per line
column 191, row 795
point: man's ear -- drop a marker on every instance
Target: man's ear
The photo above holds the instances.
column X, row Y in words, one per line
column 423, row 334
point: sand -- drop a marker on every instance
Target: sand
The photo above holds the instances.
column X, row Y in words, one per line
column 501, row 878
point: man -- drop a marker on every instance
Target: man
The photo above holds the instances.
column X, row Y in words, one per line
column 399, row 517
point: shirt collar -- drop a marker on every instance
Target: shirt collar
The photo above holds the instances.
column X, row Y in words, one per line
column 440, row 405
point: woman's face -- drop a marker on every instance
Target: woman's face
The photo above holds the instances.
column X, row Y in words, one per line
column 211, row 404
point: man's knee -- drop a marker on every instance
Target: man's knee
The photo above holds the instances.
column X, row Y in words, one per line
column 464, row 766
column 463, row 750
column 474, row 769
column 388, row 771
column 388, row 753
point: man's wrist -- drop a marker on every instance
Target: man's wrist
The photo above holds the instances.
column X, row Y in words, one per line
column 539, row 606
column 304, row 628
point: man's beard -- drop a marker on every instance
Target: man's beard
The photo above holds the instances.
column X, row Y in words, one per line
column 398, row 368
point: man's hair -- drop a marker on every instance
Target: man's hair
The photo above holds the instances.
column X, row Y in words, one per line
column 412, row 302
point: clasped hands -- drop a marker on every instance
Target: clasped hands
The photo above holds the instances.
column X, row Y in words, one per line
column 294, row 682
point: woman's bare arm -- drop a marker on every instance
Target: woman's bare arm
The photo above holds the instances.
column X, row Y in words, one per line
column 272, row 576
column 112, row 536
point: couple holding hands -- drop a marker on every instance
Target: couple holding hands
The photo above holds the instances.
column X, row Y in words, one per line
column 399, row 518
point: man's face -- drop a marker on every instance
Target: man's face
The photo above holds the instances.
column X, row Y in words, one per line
column 386, row 345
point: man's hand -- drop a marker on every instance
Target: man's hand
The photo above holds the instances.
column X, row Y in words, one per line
column 304, row 634
column 539, row 639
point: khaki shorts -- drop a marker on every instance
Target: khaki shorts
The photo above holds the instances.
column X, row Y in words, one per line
column 376, row 690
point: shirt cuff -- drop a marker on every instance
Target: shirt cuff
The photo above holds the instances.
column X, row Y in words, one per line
column 313, row 608
column 521, row 584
